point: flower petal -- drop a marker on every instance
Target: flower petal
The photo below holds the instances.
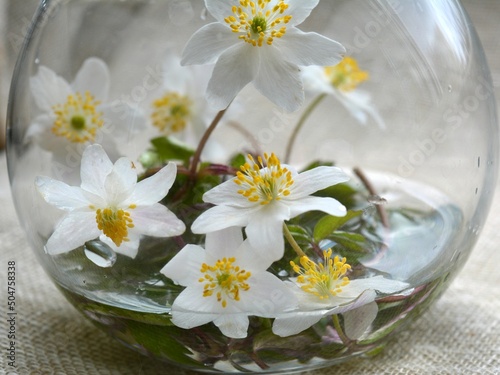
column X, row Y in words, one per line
column 296, row 322
column 300, row 10
column 128, row 248
column 121, row 122
column 207, row 44
column 233, row 325
column 300, row 48
column 220, row 9
column 227, row 194
column 377, row 283
column 73, row 231
column 329, row 205
column 94, row 169
column 157, row 221
column 223, row 243
column 220, row 217
column 184, row 268
column 153, row 189
column 358, row 103
column 61, row 195
column 265, row 230
column 279, row 80
column 357, row 321
column 93, row 77
column 316, row 179
column 235, row 68
column 188, row 320
column 120, row 183
column 48, row 89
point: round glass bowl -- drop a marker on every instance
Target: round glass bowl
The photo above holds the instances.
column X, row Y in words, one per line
column 267, row 186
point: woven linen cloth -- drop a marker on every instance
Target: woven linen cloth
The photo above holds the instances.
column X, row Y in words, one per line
column 460, row 334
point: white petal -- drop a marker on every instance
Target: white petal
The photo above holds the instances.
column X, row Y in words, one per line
column 310, row 48
column 300, row 10
column 128, row 248
column 377, row 283
column 220, row 9
column 94, row 169
column 315, row 80
column 122, row 122
column 61, row 195
column 208, row 43
column 233, row 325
column 192, row 300
column 357, row 321
column 235, row 68
column 220, row 217
column 153, row 189
column 73, row 231
column 227, row 194
column 358, row 103
column 184, row 268
column 267, row 297
column 120, row 183
column 316, row 179
column 187, row 320
column 93, row 77
column 48, row 89
column 296, row 322
column 329, row 205
column 265, row 231
column 279, row 80
column 157, row 221
column 223, row 243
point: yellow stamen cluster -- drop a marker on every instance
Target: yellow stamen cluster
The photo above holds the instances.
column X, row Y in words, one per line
column 171, row 113
column 114, row 223
column 258, row 22
column 322, row 280
column 225, row 280
column 77, row 119
column 265, row 180
column 346, row 75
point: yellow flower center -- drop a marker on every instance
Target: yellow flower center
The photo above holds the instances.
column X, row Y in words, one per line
column 114, row 223
column 322, row 280
column 171, row 113
column 264, row 182
column 346, row 75
column 259, row 21
column 77, row 119
column 225, row 280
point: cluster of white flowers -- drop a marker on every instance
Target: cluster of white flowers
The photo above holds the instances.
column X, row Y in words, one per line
column 228, row 280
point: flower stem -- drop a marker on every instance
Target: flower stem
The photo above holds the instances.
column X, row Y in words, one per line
column 299, row 125
column 292, row 241
column 336, row 323
column 203, row 142
column 382, row 213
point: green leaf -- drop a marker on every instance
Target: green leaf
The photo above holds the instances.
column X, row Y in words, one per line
column 344, row 193
column 329, row 224
column 351, row 241
column 237, row 161
column 169, row 149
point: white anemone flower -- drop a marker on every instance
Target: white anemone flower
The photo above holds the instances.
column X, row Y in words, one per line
column 74, row 115
column 110, row 204
column 262, row 196
column 324, row 290
column 257, row 41
column 225, row 284
column 342, row 81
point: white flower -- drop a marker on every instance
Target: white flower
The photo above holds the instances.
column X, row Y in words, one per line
column 257, row 41
column 265, row 194
column 225, row 284
column 110, row 204
column 78, row 114
column 342, row 81
column 324, row 289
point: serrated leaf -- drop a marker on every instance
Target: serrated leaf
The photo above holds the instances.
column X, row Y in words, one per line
column 328, row 224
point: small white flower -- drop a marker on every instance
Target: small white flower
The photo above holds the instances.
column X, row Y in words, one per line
column 225, row 284
column 257, row 41
column 78, row 114
column 265, row 194
column 342, row 81
column 324, row 289
column 110, row 204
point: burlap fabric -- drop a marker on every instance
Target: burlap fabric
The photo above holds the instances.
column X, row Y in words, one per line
column 460, row 334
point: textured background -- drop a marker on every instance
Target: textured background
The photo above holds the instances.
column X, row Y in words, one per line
column 460, row 334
